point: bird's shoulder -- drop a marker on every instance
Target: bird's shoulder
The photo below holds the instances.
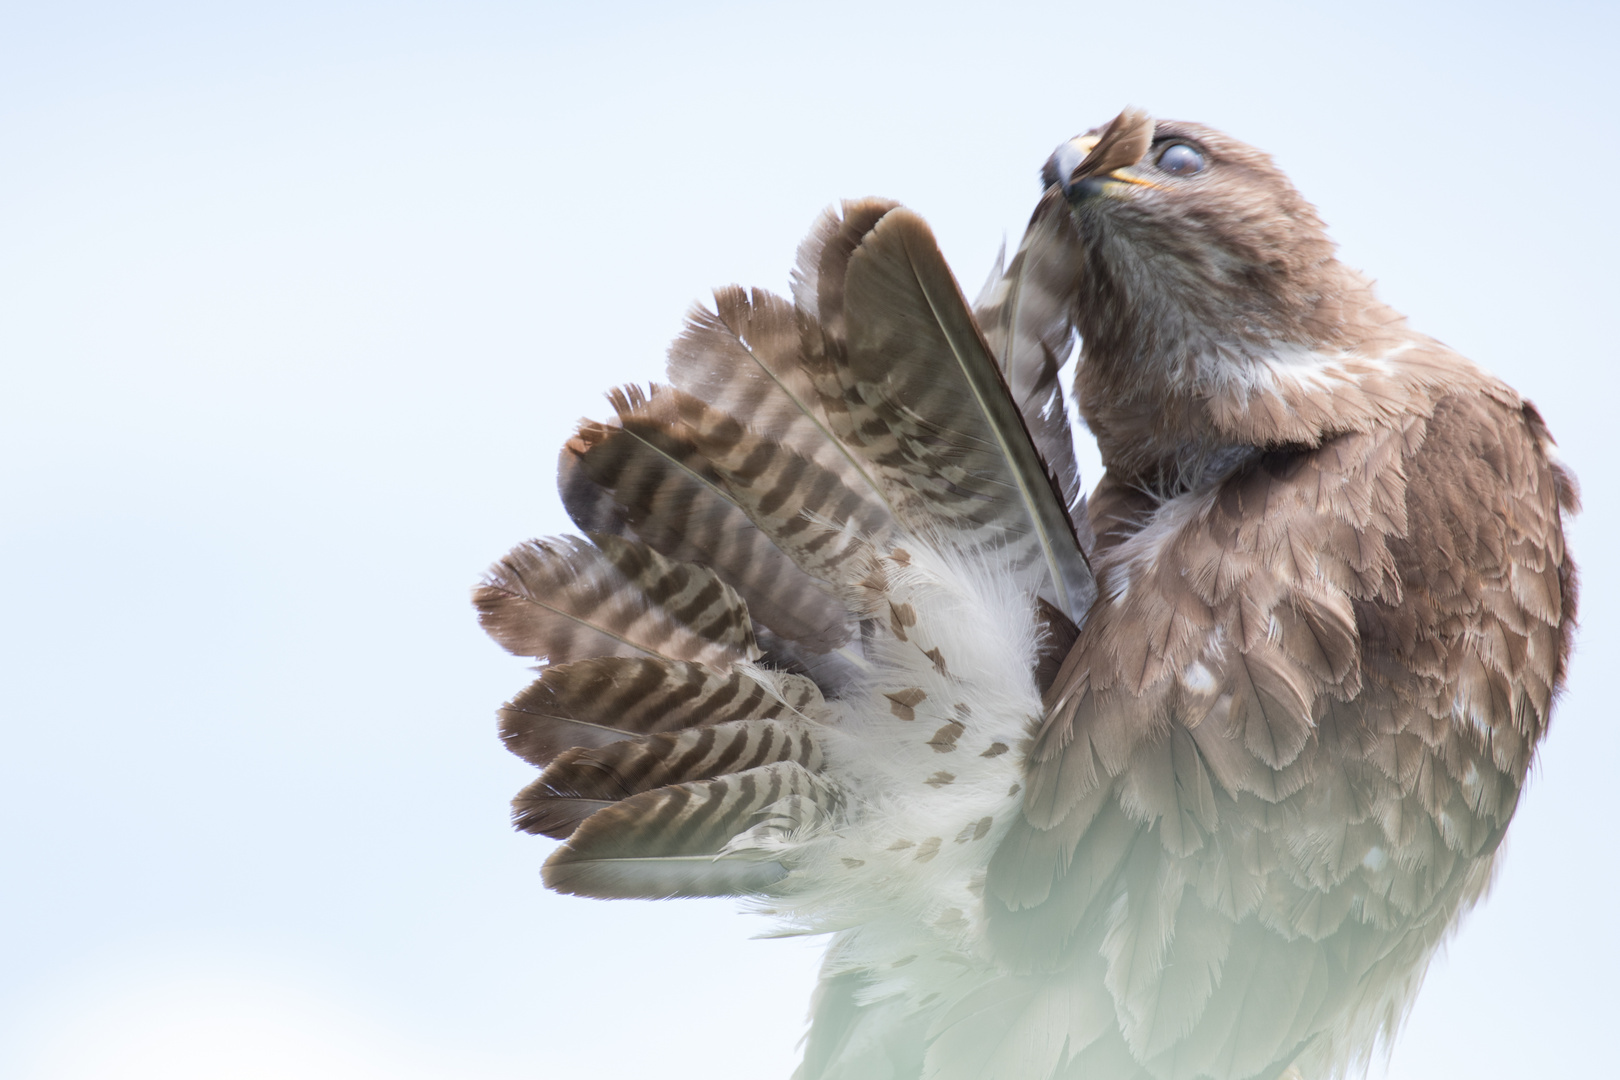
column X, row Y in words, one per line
column 1309, row 691
column 1381, row 549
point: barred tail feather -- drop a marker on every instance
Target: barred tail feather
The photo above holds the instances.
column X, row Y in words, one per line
column 585, row 779
column 570, row 599
column 592, row 703
column 672, row 841
column 646, row 476
column 744, row 360
column 924, row 402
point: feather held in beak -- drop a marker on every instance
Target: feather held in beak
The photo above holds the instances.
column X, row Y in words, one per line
column 1122, row 144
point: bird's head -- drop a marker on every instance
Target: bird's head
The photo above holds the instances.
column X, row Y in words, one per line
column 1200, row 279
column 1192, row 241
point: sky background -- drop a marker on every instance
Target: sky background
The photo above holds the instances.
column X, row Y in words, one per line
column 297, row 303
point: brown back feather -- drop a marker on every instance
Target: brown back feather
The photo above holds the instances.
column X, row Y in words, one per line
column 1292, row 733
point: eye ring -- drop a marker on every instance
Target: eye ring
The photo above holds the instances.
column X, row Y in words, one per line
column 1181, row 159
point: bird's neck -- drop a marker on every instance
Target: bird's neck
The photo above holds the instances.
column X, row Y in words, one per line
column 1180, row 383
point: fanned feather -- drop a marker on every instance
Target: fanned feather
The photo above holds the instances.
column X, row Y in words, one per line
column 744, row 360
column 1026, row 313
column 806, row 509
column 645, row 476
column 923, row 390
column 672, row 841
column 586, row 779
column 568, row 599
column 599, row 701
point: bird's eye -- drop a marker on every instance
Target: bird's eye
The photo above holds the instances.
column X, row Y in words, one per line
column 1179, row 159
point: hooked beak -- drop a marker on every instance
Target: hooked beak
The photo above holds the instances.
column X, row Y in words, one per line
column 1088, row 164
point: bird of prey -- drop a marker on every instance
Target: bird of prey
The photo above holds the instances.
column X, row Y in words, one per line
column 1186, row 780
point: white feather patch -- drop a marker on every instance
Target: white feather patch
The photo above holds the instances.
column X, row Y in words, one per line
column 929, row 750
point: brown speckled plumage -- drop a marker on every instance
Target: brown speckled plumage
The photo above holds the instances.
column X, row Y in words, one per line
column 1184, row 782
column 1334, row 610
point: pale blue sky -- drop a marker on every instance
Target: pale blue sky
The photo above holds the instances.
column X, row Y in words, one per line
column 297, row 302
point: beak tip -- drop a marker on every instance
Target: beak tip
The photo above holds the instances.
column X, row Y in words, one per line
column 1060, row 167
column 1079, row 164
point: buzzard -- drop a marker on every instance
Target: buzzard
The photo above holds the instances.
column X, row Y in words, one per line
column 1185, row 780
